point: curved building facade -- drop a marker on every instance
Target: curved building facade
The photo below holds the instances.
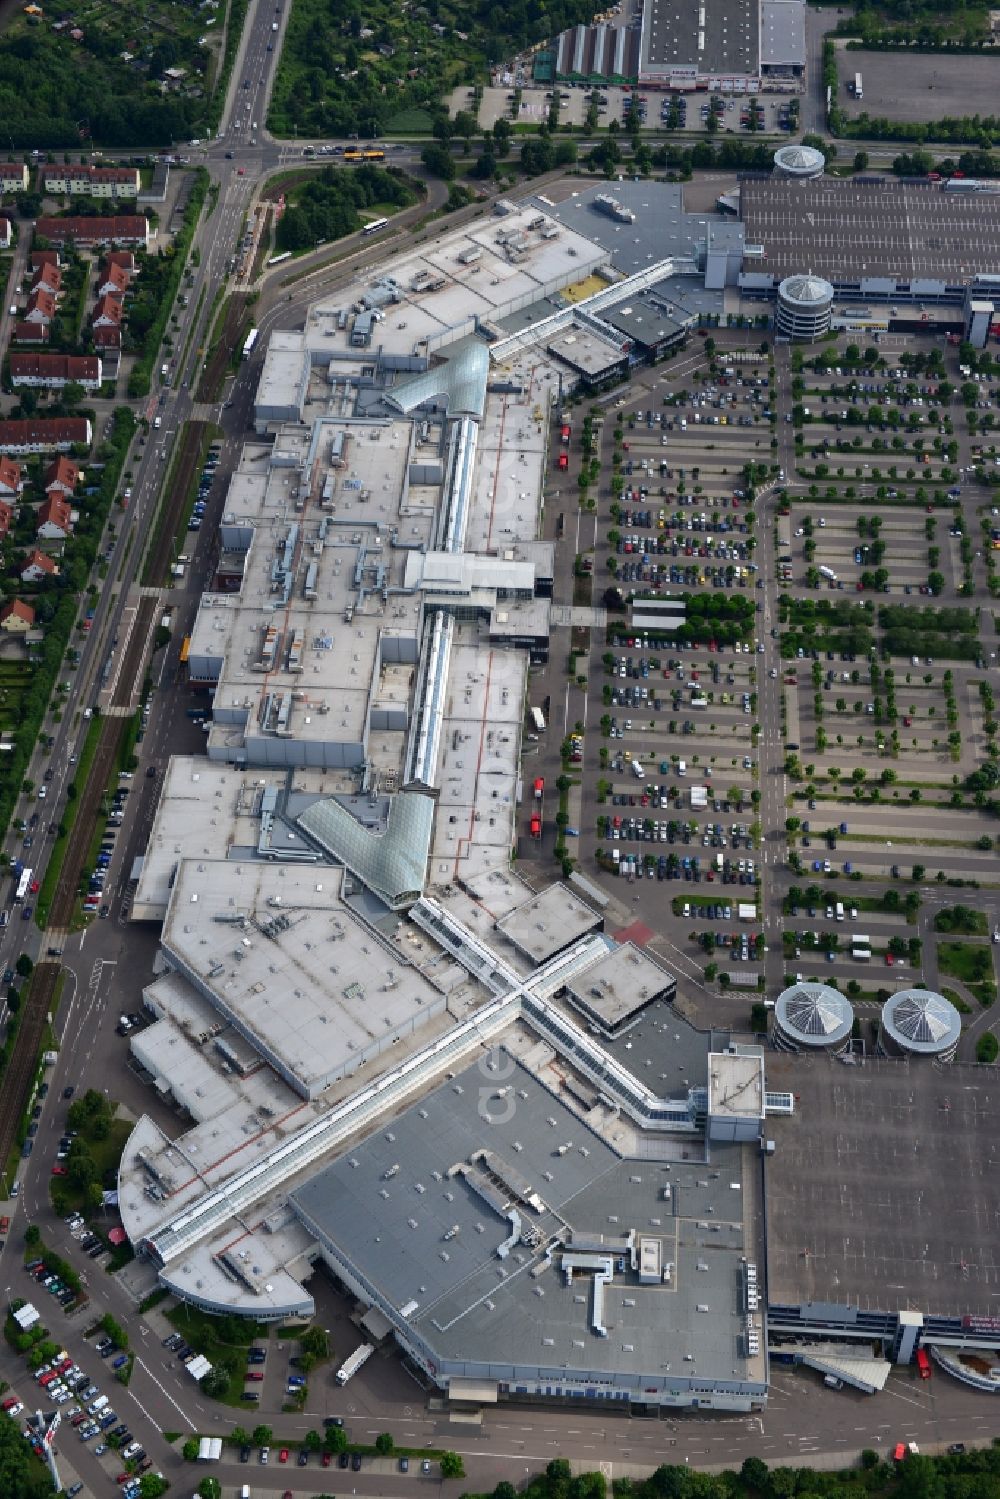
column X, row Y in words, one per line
column 918, row 1022
column 805, row 304
column 801, row 163
column 812, row 1017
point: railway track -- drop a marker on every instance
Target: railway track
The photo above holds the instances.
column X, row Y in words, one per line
column 20, row 1072
column 82, row 831
column 172, row 505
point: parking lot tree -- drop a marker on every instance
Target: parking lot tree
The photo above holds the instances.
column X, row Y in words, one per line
column 711, row 970
column 384, row 1443
column 81, row 1169
column 189, row 1452
column 453, row 1467
column 261, row 1437
column 335, row 1439
column 313, row 1441
column 210, row 1488
column 987, row 1048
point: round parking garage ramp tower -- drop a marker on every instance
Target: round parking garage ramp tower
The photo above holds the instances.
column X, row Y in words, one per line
column 804, row 307
column 812, row 1017
column 919, row 1023
column 799, row 162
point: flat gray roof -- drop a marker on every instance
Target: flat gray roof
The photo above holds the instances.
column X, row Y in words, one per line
column 719, row 37
column 620, row 985
column 662, row 227
column 549, row 921
column 424, row 1237
column 665, row 1052
column 845, row 231
column 783, row 34
column 273, row 947
column 883, row 1191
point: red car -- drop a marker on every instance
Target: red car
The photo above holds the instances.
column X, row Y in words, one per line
column 889, row 960
column 254, row 1374
column 283, row 1455
column 327, row 1459
column 58, row 1169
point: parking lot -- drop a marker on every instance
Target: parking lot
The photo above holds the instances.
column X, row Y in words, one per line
column 790, row 731
column 929, row 86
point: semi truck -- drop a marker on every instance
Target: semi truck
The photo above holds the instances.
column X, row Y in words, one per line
column 351, row 1365
column 858, row 90
column 538, row 719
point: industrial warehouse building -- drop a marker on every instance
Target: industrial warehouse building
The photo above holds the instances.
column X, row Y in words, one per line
column 728, row 46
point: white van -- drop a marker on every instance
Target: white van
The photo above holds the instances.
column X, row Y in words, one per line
column 638, row 771
column 157, row 423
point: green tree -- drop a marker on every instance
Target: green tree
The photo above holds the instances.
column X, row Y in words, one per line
column 315, row 1341
column 452, row 1465
column 313, row 1441
column 210, row 1488
column 987, row 1047
column 262, row 1436
column 152, row 1485
column 335, row 1439
column 24, row 966
column 438, row 160
column 384, row 1443
column 754, row 1474
column 189, row 1452
column 240, row 1436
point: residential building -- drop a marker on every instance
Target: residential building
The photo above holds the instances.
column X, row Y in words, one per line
column 113, row 281
column 124, row 259
column 37, row 567
column 6, row 234
column 126, row 229
column 17, row 617
column 7, row 513
column 13, row 177
column 41, row 307
column 89, row 181
column 39, row 258
column 106, row 338
column 47, row 277
column 46, row 434
column 30, row 333
column 53, row 371
column 108, row 312
column 55, row 519
column 11, row 482
column 62, row 476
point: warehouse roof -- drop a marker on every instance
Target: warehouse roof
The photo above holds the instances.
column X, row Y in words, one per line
column 430, row 1240
column 718, row 37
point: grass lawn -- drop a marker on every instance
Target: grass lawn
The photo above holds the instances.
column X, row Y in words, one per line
column 973, row 964
column 106, row 1154
column 413, row 121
